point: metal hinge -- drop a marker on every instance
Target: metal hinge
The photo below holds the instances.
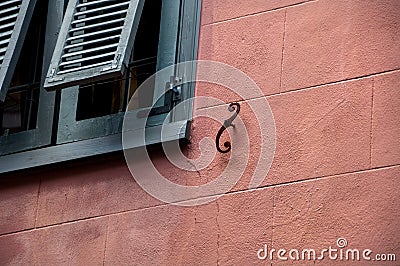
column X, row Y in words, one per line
column 173, row 93
column 51, row 76
column 52, row 72
column 175, row 86
column 114, row 64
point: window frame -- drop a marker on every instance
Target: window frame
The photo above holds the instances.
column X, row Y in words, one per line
column 42, row 134
column 178, row 129
column 69, row 129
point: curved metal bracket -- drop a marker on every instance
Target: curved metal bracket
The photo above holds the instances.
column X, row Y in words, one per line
column 227, row 123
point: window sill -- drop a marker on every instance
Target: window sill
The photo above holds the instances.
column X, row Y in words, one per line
column 86, row 148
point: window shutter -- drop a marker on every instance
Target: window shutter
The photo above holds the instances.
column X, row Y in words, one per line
column 15, row 16
column 95, row 41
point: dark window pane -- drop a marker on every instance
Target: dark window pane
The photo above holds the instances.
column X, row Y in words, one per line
column 111, row 96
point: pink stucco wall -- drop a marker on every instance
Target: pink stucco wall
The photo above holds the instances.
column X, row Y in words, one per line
column 330, row 71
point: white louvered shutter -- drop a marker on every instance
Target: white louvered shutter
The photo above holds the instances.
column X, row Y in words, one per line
column 15, row 16
column 95, row 41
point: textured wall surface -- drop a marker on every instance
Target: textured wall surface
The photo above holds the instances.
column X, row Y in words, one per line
column 330, row 71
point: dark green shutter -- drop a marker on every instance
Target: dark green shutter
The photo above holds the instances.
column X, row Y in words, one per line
column 95, row 41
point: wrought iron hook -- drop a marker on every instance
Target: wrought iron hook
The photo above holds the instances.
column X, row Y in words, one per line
column 227, row 123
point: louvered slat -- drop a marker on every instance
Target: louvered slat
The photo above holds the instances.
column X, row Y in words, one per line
column 8, row 18
column 83, row 36
column 97, row 25
column 6, row 34
column 97, row 56
column 3, row 42
column 12, row 9
column 104, row 17
column 93, row 42
column 86, row 67
column 7, row 26
column 10, row 2
column 8, row 15
column 96, row 49
column 98, row 2
column 92, row 21
column 100, row 9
